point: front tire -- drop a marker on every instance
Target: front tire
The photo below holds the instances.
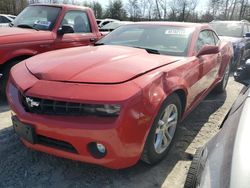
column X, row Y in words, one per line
column 162, row 131
column 3, row 81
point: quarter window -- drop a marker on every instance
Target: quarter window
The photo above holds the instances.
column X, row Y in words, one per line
column 245, row 30
column 216, row 38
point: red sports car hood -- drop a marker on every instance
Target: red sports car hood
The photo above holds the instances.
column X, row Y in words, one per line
column 101, row 64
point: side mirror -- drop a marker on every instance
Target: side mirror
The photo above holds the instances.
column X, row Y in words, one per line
column 65, row 29
column 242, row 74
column 247, row 35
column 208, row 49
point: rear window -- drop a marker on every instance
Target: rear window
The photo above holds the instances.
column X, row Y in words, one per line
column 230, row 29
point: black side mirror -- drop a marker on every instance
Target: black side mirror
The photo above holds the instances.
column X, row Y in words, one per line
column 65, row 29
column 247, row 35
column 242, row 74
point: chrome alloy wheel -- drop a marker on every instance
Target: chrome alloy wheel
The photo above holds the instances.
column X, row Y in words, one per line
column 226, row 76
column 166, row 128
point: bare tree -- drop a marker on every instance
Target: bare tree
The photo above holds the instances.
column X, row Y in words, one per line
column 158, row 11
column 183, row 8
column 133, row 9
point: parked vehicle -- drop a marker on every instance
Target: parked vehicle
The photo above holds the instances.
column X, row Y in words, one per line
column 5, row 20
column 11, row 16
column 103, row 22
column 41, row 28
column 113, row 25
column 223, row 162
column 238, row 32
column 122, row 99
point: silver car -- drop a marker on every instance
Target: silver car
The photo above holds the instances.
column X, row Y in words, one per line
column 224, row 162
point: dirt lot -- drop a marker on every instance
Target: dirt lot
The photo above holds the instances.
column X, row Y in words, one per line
column 21, row 167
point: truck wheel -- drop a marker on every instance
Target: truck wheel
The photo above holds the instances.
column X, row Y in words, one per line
column 194, row 170
column 221, row 87
column 162, row 131
column 3, row 81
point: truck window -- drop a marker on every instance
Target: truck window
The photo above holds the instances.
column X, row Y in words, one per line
column 40, row 17
column 78, row 20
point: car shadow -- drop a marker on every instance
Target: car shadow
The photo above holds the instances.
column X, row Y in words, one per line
column 23, row 167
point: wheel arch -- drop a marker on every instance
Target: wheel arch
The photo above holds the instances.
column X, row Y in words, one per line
column 183, row 98
column 14, row 59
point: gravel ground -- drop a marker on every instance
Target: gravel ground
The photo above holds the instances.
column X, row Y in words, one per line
column 21, row 167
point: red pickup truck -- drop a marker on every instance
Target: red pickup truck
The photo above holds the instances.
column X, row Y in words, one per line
column 42, row 28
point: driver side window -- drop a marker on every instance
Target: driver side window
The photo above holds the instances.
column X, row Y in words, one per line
column 205, row 37
column 78, row 20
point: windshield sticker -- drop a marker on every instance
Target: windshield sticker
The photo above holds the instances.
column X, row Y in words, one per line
column 43, row 23
column 178, row 32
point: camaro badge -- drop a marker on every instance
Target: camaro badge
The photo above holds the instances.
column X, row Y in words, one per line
column 31, row 103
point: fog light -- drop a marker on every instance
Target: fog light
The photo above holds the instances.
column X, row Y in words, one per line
column 101, row 148
column 97, row 150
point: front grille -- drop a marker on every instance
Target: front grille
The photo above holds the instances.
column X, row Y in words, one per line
column 53, row 107
column 57, row 144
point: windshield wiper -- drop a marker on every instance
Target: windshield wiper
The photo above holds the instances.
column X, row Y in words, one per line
column 27, row 26
column 98, row 44
column 11, row 24
column 152, row 51
column 149, row 50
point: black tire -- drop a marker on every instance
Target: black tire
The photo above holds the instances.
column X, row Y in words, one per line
column 194, row 170
column 3, row 81
column 149, row 154
column 221, row 87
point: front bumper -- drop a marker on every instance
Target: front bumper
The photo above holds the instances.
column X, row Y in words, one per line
column 123, row 136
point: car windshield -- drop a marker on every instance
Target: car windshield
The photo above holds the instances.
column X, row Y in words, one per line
column 228, row 29
column 37, row 17
column 158, row 39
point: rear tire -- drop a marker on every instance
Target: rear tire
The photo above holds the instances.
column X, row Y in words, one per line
column 162, row 132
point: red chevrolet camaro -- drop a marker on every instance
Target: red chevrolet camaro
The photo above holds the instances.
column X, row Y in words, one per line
column 121, row 100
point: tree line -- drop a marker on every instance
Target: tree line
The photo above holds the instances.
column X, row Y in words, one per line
column 139, row 10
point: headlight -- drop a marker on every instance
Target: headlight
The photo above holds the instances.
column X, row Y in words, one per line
column 103, row 110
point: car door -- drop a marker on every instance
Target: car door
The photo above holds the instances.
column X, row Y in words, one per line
column 82, row 35
column 211, row 62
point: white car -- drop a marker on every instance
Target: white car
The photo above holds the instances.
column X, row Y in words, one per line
column 102, row 22
column 6, row 19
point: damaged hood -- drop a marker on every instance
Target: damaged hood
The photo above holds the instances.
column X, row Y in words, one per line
column 96, row 64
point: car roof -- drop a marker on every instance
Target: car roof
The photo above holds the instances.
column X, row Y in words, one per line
column 229, row 21
column 197, row 26
column 65, row 6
